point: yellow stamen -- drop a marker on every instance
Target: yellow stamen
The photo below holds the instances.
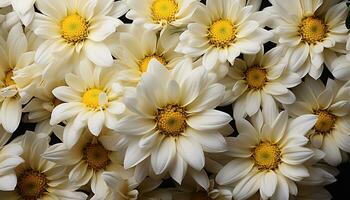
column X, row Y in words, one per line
column 312, row 30
column 164, row 10
column 96, row 156
column 8, row 78
column 256, row 77
column 74, row 28
column 144, row 62
column 91, row 98
column 31, row 185
column 171, row 120
column 222, row 33
column 325, row 122
column 267, row 156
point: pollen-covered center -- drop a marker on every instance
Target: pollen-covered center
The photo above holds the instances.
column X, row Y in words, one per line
column 31, row 185
column 256, row 77
column 91, row 98
column 325, row 122
column 171, row 120
column 8, row 81
column 144, row 62
column 74, row 28
column 312, row 30
column 164, row 10
column 267, row 156
column 222, row 33
column 96, row 156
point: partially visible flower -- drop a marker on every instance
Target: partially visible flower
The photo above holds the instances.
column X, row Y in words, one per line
column 222, row 29
column 159, row 14
column 24, row 9
column 92, row 98
column 331, row 105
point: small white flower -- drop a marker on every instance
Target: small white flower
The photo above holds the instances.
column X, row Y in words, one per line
column 330, row 104
column 221, row 31
column 92, row 98
column 268, row 157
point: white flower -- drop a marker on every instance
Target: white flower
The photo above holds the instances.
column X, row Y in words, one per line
column 92, row 98
column 24, row 9
column 310, row 30
column 9, row 160
column 38, row 178
column 269, row 157
column 221, row 31
column 173, row 119
column 257, row 81
column 330, row 104
column 134, row 47
column 89, row 158
column 157, row 14
column 75, row 29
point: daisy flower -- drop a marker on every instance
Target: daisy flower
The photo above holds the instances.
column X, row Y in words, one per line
column 257, row 81
column 24, row 10
column 92, row 99
column 173, row 119
column 157, row 14
column 309, row 30
column 221, row 31
column 134, row 47
column 267, row 157
column 9, row 160
column 38, row 178
column 330, row 105
column 75, row 29
column 89, row 158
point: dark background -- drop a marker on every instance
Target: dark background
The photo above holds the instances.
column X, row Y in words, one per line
column 340, row 190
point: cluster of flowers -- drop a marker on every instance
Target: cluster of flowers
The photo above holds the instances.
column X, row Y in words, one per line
column 134, row 105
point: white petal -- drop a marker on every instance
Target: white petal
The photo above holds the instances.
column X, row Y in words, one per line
column 209, row 120
column 163, row 156
column 98, row 53
column 134, row 155
column 66, row 94
column 269, row 183
column 179, row 169
column 95, row 122
column 233, row 171
column 201, row 178
column 65, row 111
column 8, row 182
column 191, row 152
column 294, row 172
column 11, row 112
column 211, row 141
column 134, row 125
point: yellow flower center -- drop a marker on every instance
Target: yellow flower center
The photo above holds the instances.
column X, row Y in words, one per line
column 91, row 98
column 164, row 10
column 74, row 28
column 325, row 122
column 96, row 156
column 144, row 62
column 312, row 30
column 222, row 33
column 8, row 78
column 267, row 156
column 171, row 120
column 255, row 77
column 31, row 185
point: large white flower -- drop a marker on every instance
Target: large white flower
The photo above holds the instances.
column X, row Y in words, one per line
column 9, row 160
column 221, row 31
column 269, row 157
column 89, row 158
column 38, row 178
column 310, row 30
column 173, row 119
column 157, row 14
column 134, row 47
column 330, row 104
column 257, row 81
column 76, row 29
column 92, row 98
column 23, row 9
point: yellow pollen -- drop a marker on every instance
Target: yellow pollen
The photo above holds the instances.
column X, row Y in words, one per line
column 31, row 185
column 91, row 98
column 164, row 10
column 96, row 156
column 144, row 62
column 222, row 33
column 312, row 30
column 74, row 28
column 8, row 78
column 325, row 122
column 255, row 77
column 171, row 120
column 267, row 156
